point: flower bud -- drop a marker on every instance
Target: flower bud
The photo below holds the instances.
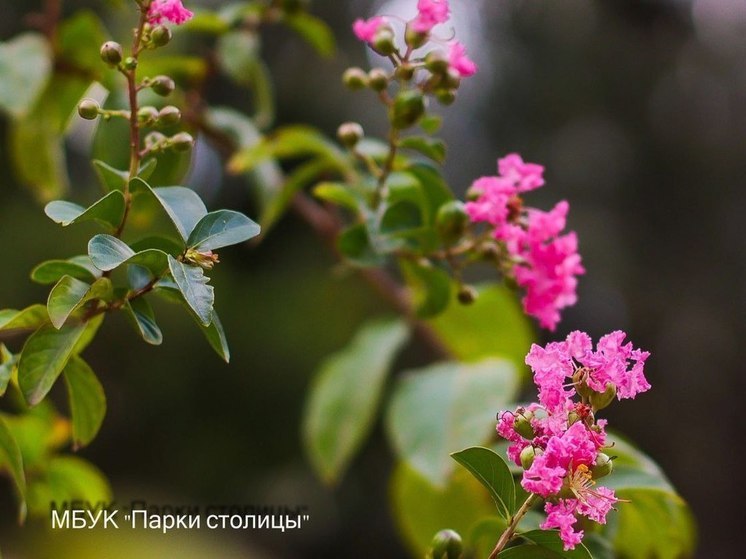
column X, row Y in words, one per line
column 169, row 115
column 378, row 79
column 355, row 78
column 445, row 96
column 527, row 457
column 162, row 85
column 182, row 141
column 603, row 467
column 155, row 140
column 130, row 63
column 408, row 108
column 522, row 425
column 147, row 115
column 415, row 39
column 161, row 36
column 467, row 295
column 405, row 72
column 383, row 41
column 350, row 133
column 451, row 220
column 205, row 260
column 89, row 109
column 447, row 544
column 111, row 53
column 436, row 62
column 451, row 79
column 601, row 400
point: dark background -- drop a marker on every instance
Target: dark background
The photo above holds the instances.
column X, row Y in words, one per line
column 638, row 110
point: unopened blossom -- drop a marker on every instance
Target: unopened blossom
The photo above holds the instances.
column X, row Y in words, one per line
column 429, row 14
column 458, row 60
column 168, row 10
column 366, row 29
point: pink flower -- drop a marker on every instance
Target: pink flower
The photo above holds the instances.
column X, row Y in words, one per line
column 562, row 516
column 366, row 29
column 169, row 10
column 461, row 63
column 430, row 13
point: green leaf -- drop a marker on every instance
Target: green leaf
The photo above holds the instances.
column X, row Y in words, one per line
column 422, row 509
column 182, row 68
column 429, row 147
column 430, row 124
column 446, row 407
column 337, row 193
column 354, row 244
column 544, row 544
column 222, row 228
column 143, row 319
column 205, row 21
column 494, row 325
column 492, row 472
column 345, row 396
column 12, row 462
column 45, row 354
column 6, row 368
column 72, row 478
column 434, row 188
column 401, row 217
column 78, row 267
column 87, row 401
column 431, row 287
column 109, row 211
column 107, row 253
column 64, row 298
column 192, row 283
column 26, row 66
column 314, row 30
column 182, row 205
column 29, row 318
column 78, row 41
column 111, row 179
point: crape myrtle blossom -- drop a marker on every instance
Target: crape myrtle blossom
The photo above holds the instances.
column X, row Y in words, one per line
column 558, row 441
column 168, row 10
column 545, row 262
column 366, row 29
column 429, row 14
column 458, row 60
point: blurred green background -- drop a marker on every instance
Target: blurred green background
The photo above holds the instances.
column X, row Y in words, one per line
column 638, row 110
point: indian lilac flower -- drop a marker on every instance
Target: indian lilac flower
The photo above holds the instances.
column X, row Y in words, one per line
column 366, row 29
column 168, row 10
column 430, row 13
column 458, row 60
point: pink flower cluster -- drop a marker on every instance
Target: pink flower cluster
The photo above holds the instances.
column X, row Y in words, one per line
column 168, row 10
column 558, row 441
column 429, row 14
column 545, row 263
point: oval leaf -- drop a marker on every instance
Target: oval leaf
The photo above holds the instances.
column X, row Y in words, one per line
column 109, row 210
column 192, row 283
column 345, row 396
column 222, row 228
column 108, row 253
column 544, row 544
column 12, row 462
column 492, row 472
column 143, row 319
column 87, row 401
column 52, row 271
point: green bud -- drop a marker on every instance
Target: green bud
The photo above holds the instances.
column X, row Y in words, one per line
column 205, row 260
column 89, row 109
column 130, row 63
column 182, row 141
column 161, row 36
column 446, row 544
column 147, row 115
column 169, row 115
column 603, row 467
column 408, row 108
column 378, row 79
column 111, row 53
column 451, row 79
column 445, row 96
column 405, row 72
column 350, row 133
column 527, row 457
column 451, row 220
column 415, row 39
column 355, row 78
column 522, row 425
column 155, row 140
column 601, row 400
column 436, row 62
column 467, row 295
column 473, row 194
column 383, row 42
column 162, row 85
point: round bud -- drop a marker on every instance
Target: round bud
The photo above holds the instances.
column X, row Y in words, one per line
column 182, row 141
column 436, row 62
column 169, row 115
column 161, row 36
column 154, row 140
column 603, row 467
column 527, row 457
column 147, row 115
column 445, row 96
column 378, row 79
column 467, row 295
column 415, row 39
column 451, row 79
column 130, row 63
column 111, row 53
column 523, row 427
column 601, row 400
column 408, row 108
column 89, row 109
column 350, row 133
column 355, row 78
column 451, row 220
column 447, row 544
column 383, row 41
column 405, row 72
column 162, row 85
